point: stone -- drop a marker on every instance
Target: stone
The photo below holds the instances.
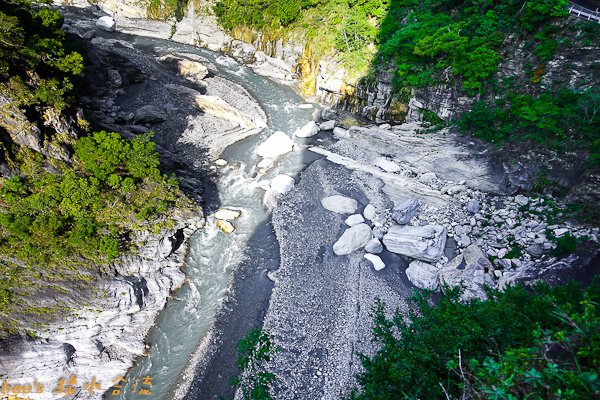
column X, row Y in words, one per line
column 423, row 275
column 561, row 231
column 425, row 243
column 265, row 163
column 465, row 240
column 305, row 106
column 521, row 200
column 150, row 114
column 473, row 206
column 378, row 264
column 89, row 35
column 328, row 114
column 404, row 210
column 387, row 165
column 115, row 77
column 374, row 246
column 453, row 189
column 221, row 163
column 536, row 250
column 340, row 133
column 106, row 23
column 327, row 125
column 467, row 271
column 225, row 226
column 340, row 204
column 502, row 253
column 227, row 214
column 369, row 212
column 352, row 239
column 385, row 127
column 308, row 130
column 276, row 145
column 354, row 219
column 242, row 51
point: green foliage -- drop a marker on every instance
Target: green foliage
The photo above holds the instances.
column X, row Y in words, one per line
column 255, row 349
column 486, row 349
column 565, row 245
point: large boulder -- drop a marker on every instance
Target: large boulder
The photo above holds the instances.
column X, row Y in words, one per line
column 225, row 226
column 404, row 210
column 387, row 165
column 354, row 219
column 106, row 23
column 468, row 271
column 423, row 275
column 187, row 68
column 150, row 114
column 308, row 130
column 227, row 214
column 276, row 145
column 278, row 186
column 352, row 239
column 425, row 243
column 340, row 204
column 327, row 125
column 243, row 51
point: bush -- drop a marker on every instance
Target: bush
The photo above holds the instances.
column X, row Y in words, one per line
column 447, row 349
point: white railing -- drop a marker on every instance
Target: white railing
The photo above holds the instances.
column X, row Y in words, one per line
column 584, row 13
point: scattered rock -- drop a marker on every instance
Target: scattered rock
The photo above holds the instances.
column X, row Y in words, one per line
column 150, row 114
column 404, row 210
column 227, row 214
column 308, row 130
column 387, row 165
column 225, row 226
column 521, row 200
column 276, row 145
column 327, row 125
column 106, row 23
column 352, row 239
column 425, row 243
column 473, row 206
column 423, row 275
column 354, row 220
column 374, row 246
column 378, row 264
column 340, row 204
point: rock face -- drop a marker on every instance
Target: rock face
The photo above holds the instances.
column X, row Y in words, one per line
column 423, row 275
column 308, row 130
column 340, row 204
column 425, row 243
column 106, row 23
column 352, row 239
column 467, row 271
column 150, row 114
column 276, row 145
column 102, row 339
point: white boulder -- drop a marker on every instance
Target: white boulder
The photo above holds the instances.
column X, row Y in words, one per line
column 276, row 145
column 352, row 239
column 227, row 214
column 468, row 271
column 423, row 275
column 308, row 130
column 378, row 264
column 354, row 219
column 425, row 243
column 106, row 23
column 340, row 133
column 369, row 212
column 282, row 184
column 340, row 204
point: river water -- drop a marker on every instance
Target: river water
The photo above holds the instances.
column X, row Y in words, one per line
column 185, row 326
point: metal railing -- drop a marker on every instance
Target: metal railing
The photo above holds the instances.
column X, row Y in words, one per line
column 584, row 13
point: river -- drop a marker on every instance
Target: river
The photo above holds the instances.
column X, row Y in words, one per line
column 227, row 289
